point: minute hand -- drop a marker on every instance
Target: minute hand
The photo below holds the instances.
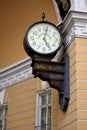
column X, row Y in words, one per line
column 45, row 33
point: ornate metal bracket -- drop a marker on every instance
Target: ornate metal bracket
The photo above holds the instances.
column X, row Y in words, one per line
column 57, row 75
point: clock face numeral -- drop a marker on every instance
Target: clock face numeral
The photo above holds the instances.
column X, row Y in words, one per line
column 49, row 48
column 35, row 33
column 38, row 47
column 34, row 43
column 32, row 38
column 55, row 40
column 54, row 34
column 44, row 28
column 43, row 49
column 39, row 29
column 44, row 38
column 49, row 30
column 53, row 44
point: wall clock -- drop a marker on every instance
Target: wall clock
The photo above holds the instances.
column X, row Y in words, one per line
column 42, row 38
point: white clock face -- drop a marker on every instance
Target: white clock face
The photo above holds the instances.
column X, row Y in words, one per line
column 44, row 38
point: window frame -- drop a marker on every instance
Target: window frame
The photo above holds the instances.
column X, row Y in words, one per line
column 38, row 107
column 3, row 117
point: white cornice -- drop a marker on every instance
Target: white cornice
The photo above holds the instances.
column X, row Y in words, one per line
column 75, row 21
column 79, row 5
column 74, row 26
column 15, row 73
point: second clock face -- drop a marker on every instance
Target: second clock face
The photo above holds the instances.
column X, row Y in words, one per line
column 43, row 38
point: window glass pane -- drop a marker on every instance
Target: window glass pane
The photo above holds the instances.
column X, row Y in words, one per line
column 5, row 124
column 43, row 127
column 1, row 112
column 49, row 115
column 43, row 116
column 3, row 116
column 49, row 98
column 0, row 124
column 49, row 127
column 6, row 112
column 43, row 100
column 49, row 118
column 43, row 119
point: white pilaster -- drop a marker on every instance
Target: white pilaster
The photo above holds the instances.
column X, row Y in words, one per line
column 74, row 26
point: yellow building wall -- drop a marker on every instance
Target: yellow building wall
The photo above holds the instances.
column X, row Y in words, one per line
column 81, row 76
column 22, row 105
column 55, row 109
column 76, row 116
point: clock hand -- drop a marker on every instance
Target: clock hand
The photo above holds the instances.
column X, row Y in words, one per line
column 47, row 44
column 44, row 38
column 45, row 33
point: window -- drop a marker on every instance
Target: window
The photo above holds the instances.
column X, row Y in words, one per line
column 3, row 117
column 43, row 116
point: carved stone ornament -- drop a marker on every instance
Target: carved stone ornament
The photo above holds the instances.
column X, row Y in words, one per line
column 16, row 73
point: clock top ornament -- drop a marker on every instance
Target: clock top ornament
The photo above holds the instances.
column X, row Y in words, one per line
column 42, row 38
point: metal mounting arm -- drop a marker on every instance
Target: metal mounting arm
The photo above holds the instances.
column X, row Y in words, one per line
column 57, row 75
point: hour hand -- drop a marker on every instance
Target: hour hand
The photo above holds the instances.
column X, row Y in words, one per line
column 47, row 44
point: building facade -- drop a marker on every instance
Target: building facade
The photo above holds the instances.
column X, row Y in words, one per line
column 27, row 102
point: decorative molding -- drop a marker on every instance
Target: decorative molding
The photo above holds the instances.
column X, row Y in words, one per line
column 74, row 26
column 75, row 21
column 79, row 5
column 76, row 5
column 15, row 73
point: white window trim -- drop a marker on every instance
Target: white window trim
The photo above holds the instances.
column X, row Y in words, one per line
column 2, row 94
column 3, row 116
column 38, row 103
